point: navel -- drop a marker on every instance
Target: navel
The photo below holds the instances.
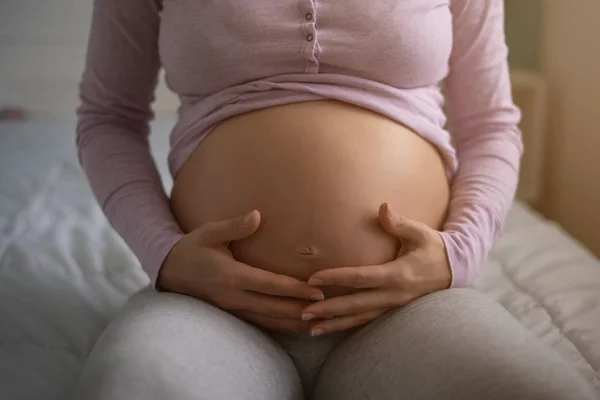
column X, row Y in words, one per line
column 307, row 251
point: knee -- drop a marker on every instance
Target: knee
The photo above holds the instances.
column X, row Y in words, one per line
column 119, row 375
column 173, row 347
column 137, row 355
column 453, row 344
column 127, row 361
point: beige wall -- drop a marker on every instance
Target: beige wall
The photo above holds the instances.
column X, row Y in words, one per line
column 523, row 22
column 570, row 60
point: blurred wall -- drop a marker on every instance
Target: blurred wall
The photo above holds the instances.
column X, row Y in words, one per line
column 523, row 32
column 42, row 51
column 42, row 44
column 561, row 39
column 570, row 60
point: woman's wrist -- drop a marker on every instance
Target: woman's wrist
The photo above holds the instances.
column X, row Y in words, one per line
column 460, row 265
column 165, row 275
column 161, row 254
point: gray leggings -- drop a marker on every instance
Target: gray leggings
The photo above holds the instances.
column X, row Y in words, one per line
column 454, row 344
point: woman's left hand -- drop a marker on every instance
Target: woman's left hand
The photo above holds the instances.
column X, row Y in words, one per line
column 421, row 267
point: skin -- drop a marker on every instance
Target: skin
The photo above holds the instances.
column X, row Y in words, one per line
column 420, row 267
column 316, row 174
column 272, row 301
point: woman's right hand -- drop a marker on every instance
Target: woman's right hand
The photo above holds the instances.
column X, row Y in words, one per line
column 202, row 266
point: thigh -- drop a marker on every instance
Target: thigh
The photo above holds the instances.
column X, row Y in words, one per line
column 167, row 346
column 454, row 344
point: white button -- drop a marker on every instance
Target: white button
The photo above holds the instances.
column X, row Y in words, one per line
column 309, row 37
column 309, row 16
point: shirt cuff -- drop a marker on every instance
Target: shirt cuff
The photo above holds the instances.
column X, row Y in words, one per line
column 154, row 258
column 462, row 272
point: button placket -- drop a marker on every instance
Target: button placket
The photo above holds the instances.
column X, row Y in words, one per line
column 309, row 30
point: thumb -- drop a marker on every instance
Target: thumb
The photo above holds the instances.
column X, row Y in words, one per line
column 402, row 228
column 216, row 233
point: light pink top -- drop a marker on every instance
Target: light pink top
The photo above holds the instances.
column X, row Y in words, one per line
column 228, row 57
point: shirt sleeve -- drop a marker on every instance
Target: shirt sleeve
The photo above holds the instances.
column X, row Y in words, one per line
column 116, row 92
column 483, row 121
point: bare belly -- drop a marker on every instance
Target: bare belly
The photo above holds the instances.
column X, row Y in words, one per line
column 317, row 172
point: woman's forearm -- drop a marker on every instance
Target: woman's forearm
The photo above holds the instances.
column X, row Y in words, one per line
column 482, row 193
column 484, row 126
column 126, row 183
column 116, row 92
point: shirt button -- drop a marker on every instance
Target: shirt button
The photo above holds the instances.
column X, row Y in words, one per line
column 309, row 37
column 309, row 16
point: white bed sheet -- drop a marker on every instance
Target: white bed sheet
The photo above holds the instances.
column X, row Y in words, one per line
column 64, row 272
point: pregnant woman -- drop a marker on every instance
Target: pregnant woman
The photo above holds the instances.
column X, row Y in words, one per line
column 324, row 221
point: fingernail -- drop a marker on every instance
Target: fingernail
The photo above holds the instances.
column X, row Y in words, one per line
column 248, row 217
column 317, row 332
column 315, row 282
column 317, row 297
column 389, row 210
column 308, row 317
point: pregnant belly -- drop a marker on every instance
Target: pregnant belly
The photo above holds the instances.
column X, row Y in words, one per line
column 317, row 172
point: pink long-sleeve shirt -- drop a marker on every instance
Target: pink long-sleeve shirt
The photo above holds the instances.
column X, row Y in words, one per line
column 226, row 57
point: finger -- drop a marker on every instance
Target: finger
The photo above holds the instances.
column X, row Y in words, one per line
column 267, row 306
column 344, row 323
column 266, row 282
column 356, row 303
column 274, row 324
column 372, row 276
column 216, row 233
column 402, row 228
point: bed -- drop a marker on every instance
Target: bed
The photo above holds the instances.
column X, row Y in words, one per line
column 64, row 272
